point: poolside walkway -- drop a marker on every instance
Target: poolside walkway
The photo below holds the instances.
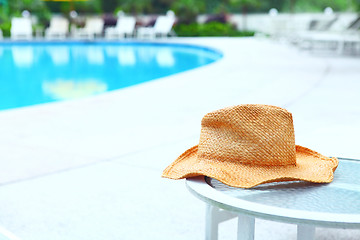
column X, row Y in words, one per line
column 90, row 169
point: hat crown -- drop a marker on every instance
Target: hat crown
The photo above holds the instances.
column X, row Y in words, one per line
column 249, row 134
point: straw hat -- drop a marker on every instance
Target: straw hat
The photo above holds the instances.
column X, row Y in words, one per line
column 247, row 145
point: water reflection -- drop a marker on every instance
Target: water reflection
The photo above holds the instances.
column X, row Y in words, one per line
column 146, row 54
column 62, row 89
column 165, row 58
column 126, row 56
column 23, row 56
column 111, row 51
column 95, row 55
column 59, row 55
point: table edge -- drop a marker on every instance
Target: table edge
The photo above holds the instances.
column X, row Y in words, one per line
column 206, row 193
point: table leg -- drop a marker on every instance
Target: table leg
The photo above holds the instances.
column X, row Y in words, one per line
column 212, row 224
column 246, row 227
column 305, row 232
column 215, row 216
column 340, row 46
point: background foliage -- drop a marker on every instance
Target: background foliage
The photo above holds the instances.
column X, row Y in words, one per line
column 185, row 10
column 161, row 6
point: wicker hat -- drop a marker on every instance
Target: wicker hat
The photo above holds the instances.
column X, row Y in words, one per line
column 247, row 145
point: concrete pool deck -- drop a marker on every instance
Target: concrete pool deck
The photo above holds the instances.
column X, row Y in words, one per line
column 90, row 168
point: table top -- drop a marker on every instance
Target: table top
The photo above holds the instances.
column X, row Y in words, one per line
column 336, row 204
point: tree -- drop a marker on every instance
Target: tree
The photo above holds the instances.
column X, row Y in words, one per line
column 356, row 4
column 244, row 5
column 188, row 10
column 136, row 6
column 108, row 6
column 294, row 6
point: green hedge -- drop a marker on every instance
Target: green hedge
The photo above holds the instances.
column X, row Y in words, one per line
column 5, row 27
column 212, row 29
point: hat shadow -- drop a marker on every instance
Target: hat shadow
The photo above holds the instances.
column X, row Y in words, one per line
column 285, row 186
column 291, row 195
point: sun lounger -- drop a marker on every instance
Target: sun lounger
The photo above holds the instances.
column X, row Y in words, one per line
column 21, row 29
column 93, row 28
column 125, row 26
column 161, row 28
column 315, row 26
column 338, row 41
column 58, row 29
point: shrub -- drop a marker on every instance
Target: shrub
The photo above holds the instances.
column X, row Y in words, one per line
column 186, row 30
column 5, row 27
column 209, row 29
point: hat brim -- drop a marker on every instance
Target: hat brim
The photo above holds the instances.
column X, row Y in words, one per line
column 310, row 166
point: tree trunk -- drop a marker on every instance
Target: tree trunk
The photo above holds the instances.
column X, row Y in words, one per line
column 292, row 6
column 244, row 15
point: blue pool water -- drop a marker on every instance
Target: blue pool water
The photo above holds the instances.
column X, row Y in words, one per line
column 34, row 73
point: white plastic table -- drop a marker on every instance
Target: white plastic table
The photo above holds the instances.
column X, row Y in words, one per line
column 334, row 205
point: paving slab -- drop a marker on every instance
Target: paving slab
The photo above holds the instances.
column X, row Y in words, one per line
column 90, row 168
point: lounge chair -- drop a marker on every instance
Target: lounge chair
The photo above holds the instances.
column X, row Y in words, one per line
column 335, row 40
column 162, row 27
column 125, row 26
column 58, row 29
column 1, row 35
column 21, row 29
column 93, row 28
column 315, row 26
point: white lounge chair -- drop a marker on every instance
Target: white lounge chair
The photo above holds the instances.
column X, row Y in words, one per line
column 1, row 35
column 335, row 40
column 21, row 29
column 125, row 26
column 93, row 28
column 311, row 28
column 162, row 27
column 58, row 29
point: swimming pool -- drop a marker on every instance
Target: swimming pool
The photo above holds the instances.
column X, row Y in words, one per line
column 35, row 73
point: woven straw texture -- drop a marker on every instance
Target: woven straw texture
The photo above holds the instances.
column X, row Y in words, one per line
column 247, row 145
